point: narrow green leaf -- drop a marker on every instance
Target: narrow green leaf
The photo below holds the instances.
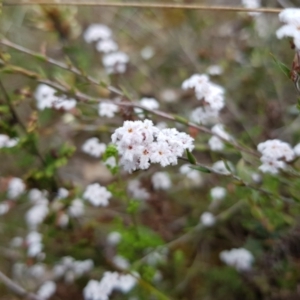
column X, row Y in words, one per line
column 201, row 169
column 191, row 157
column 284, row 68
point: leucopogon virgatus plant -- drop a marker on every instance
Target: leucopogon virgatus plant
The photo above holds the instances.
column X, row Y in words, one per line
column 143, row 155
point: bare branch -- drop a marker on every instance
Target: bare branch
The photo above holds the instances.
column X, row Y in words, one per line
column 142, row 5
column 17, row 289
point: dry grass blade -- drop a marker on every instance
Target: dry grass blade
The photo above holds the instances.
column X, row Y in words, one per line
column 142, row 5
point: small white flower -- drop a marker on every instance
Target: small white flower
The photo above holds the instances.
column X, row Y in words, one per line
column 193, row 175
column 121, row 262
column 63, row 220
column 256, row 177
column 204, row 115
column 137, row 192
column 114, row 238
column 16, row 188
column 4, row 208
column 290, row 16
column 274, row 155
column 45, row 96
column 93, row 291
column 297, row 149
column 115, row 62
column 147, row 53
column 47, row 290
column 161, row 181
column 219, row 130
column 149, row 103
column 37, row 197
column 33, row 241
column 37, row 271
column 218, row 193
column 62, row 193
column 126, row 283
column 252, row 4
column 240, row 258
column 207, row 219
column 214, row 70
column 169, row 96
column 36, row 215
column 64, row 103
column 96, row 32
column 106, row 46
column 111, row 162
column 194, row 81
column 221, row 168
column 107, row 109
column 7, row 142
column 93, row 147
column 215, row 144
column 97, row 195
column 76, row 209
column 16, row 242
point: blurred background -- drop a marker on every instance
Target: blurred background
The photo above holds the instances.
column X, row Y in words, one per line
column 165, row 47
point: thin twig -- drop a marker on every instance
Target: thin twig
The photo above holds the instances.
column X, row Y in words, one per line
column 17, row 289
column 143, row 5
column 57, row 63
column 10, row 106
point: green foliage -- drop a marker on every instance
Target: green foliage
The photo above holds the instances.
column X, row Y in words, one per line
column 135, row 240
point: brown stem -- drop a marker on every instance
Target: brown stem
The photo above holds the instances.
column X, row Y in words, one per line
column 143, row 5
column 17, row 289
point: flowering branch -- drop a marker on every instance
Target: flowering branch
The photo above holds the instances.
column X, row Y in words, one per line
column 17, row 289
column 86, row 98
column 143, row 5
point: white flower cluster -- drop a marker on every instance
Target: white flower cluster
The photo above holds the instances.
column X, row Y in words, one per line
column 74, row 210
column 4, row 208
column 211, row 96
column 114, row 238
column 215, row 143
column 239, row 258
column 218, row 193
column 97, row 195
column 192, row 175
column 207, row 219
column 252, row 4
column 108, row 110
column 140, row 143
column 113, row 60
column 275, row 154
column 161, row 181
column 101, row 290
column 7, row 142
column 70, row 269
column 214, row 70
column 34, row 244
column 93, row 147
column 96, row 32
column 46, row 98
column 149, row 103
column 46, row 290
column 16, row 188
column 291, row 18
column 221, row 168
column 38, row 212
column 136, row 191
